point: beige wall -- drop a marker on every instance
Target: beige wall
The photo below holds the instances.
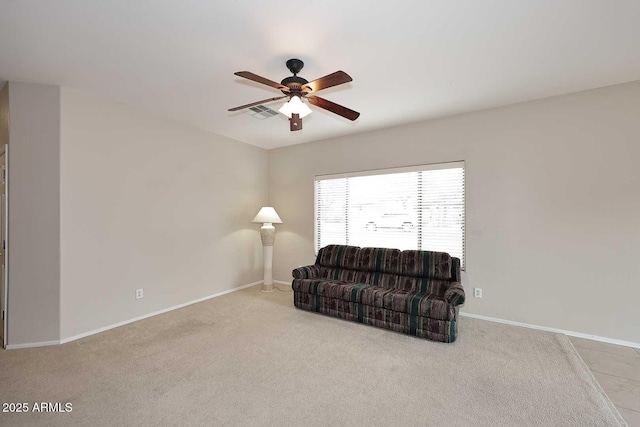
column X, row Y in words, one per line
column 148, row 203
column 553, row 206
column 34, row 214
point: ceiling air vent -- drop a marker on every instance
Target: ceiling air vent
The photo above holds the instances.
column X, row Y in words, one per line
column 261, row 112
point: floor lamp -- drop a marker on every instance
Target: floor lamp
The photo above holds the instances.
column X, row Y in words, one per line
column 268, row 216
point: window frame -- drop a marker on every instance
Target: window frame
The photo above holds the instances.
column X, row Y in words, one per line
column 386, row 171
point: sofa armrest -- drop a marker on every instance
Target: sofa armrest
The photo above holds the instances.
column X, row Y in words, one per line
column 306, row 272
column 454, row 294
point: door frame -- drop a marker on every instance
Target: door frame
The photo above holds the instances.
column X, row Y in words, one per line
column 5, row 267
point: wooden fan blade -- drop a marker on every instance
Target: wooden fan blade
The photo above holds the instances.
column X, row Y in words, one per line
column 333, row 107
column 334, row 79
column 264, row 101
column 257, row 78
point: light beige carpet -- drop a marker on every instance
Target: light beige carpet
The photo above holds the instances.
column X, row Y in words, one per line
column 249, row 358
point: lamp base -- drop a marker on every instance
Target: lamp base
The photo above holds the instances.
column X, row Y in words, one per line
column 268, row 288
column 267, row 232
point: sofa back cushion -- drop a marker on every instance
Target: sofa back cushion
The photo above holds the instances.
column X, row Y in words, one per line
column 382, row 260
column 381, row 266
column 435, row 265
column 424, row 285
column 340, row 256
column 344, row 274
column 385, row 280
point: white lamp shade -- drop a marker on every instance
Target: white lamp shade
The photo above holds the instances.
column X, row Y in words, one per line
column 267, row 214
column 295, row 105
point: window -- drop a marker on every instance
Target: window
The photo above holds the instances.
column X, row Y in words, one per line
column 421, row 207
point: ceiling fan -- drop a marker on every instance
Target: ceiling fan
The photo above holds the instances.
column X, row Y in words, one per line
column 296, row 88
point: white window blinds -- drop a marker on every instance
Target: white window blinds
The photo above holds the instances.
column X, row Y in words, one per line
column 419, row 207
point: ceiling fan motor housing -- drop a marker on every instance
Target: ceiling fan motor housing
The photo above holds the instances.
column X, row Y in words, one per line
column 294, row 83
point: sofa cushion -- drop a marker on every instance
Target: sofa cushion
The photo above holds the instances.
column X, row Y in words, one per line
column 436, row 265
column 385, row 280
column 379, row 259
column 340, row 256
column 330, row 288
column 418, row 304
column 348, row 291
column 413, row 303
column 374, row 295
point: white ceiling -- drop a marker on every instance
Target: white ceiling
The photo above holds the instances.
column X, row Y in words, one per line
column 410, row 60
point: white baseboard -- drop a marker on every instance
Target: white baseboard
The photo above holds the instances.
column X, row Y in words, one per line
column 558, row 331
column 125, row 322
column 155, row 313
column 32, row 344
column 541, row 328
column 282, row 282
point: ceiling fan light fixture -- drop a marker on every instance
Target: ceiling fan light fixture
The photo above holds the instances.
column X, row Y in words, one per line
column 295, row 106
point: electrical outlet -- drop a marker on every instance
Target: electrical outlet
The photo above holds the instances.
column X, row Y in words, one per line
column 139, row 294
column 477, row 292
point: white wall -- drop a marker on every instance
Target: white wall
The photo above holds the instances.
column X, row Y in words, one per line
column 553, row 206
column 148, row 203
column 34, row 214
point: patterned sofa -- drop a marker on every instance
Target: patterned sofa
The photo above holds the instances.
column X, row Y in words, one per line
column 414, row 292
